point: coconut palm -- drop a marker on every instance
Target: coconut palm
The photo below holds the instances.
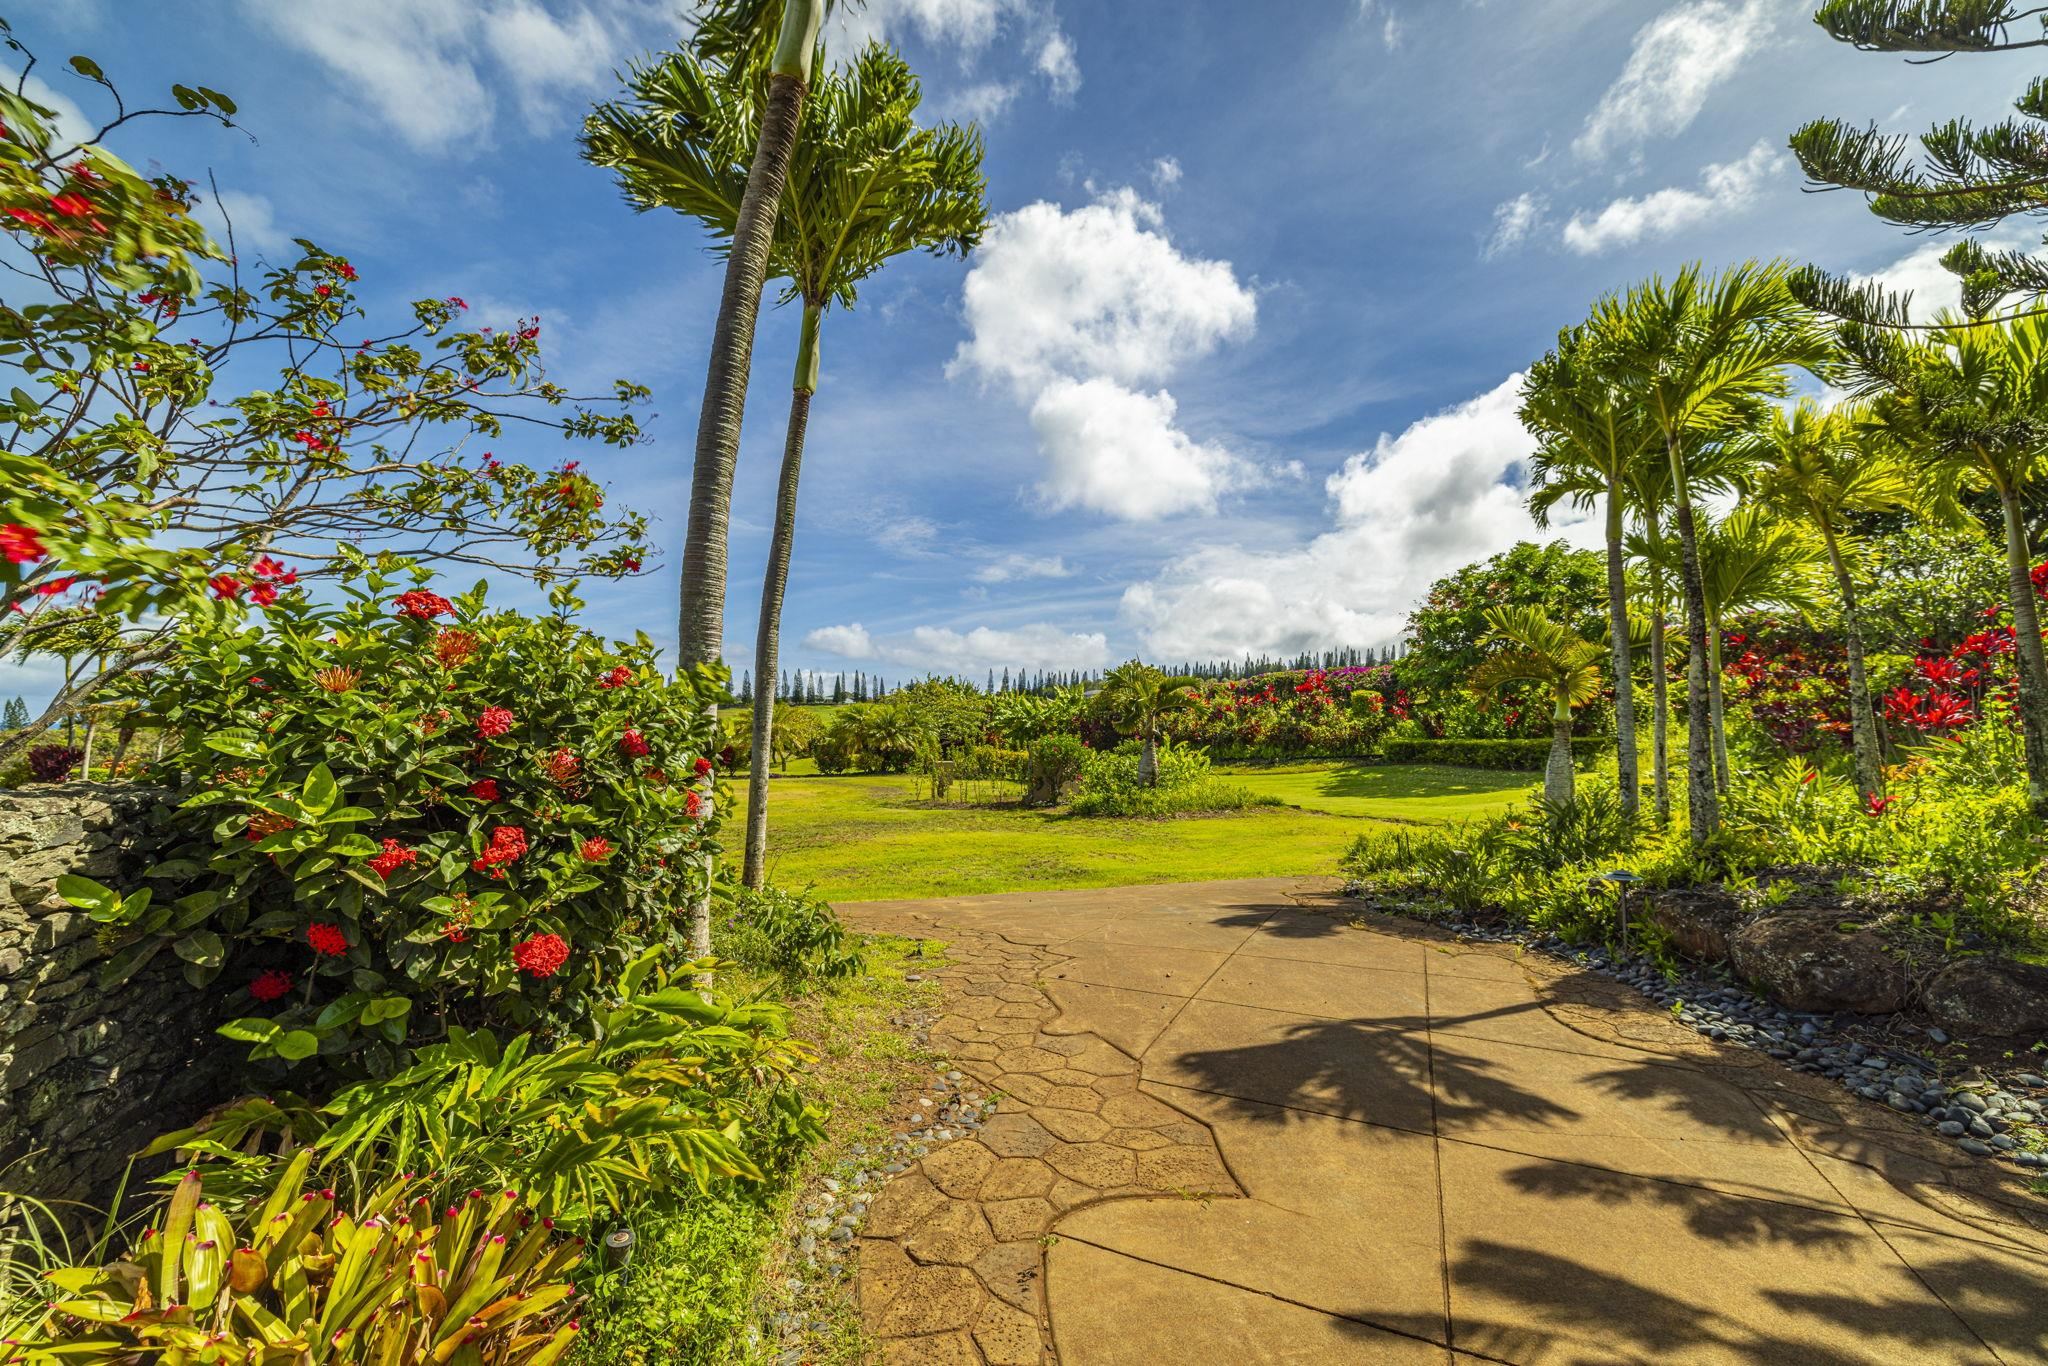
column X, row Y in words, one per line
column 1968, row 405
column 1825, row 467
column 1138, row 697
column 1593, row 437
column 1702, row 356
column 1554, row 657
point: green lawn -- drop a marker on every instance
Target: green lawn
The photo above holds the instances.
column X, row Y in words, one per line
column 867, row 837
column 1395, row 792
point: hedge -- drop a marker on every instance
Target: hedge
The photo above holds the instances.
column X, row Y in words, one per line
column 1505, row 754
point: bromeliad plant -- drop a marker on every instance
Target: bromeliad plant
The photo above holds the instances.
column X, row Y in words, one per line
column 302, row 1283
column 408, row 813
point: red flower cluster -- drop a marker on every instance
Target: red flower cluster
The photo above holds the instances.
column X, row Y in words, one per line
column 1876, row 804
column 327, row 940
column 633, row 744
column 423, row 605
column 270, row 576
column 540, row 955
column 453, row 647
column 693, row 803
column 561, row 767
column 596, row 849
column 1956, row 684
column 394, row 857
column 617, row 678
column 507, row 844
column 484, row 789
column 494, row 722
column 269, row 986
column 266, row 823
column 702, row 766
column 226, row 587
column 21, row 544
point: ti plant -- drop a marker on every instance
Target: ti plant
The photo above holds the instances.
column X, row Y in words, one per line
column 481, row 1284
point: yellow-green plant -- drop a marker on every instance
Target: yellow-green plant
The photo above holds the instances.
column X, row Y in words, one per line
column 483, row 1283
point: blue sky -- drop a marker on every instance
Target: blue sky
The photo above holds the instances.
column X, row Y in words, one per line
column 1234, row 370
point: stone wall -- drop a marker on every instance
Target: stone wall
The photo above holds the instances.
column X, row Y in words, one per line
column 87, row 1076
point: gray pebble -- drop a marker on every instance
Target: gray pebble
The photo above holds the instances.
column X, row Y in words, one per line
column 1975, row 1147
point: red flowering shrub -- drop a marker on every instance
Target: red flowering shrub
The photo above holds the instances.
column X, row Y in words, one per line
column 53, row 763
column 1953, row 688
column 271, row 985
column 1793, row 680
column 372, row 832
column 1342, row 712
column 423, row 605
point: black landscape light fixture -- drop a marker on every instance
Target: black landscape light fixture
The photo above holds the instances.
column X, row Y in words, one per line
column 618, row 1248
column 1622, row 879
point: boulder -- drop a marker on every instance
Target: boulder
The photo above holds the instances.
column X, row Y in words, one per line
column 1700, row 920
column 1989, row 996
column 1806, row 961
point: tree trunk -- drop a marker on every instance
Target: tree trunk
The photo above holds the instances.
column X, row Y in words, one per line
column 1718, row 703
column 1557, row 774
column 2026, row 623
column 768, row 632
column 701, row 633
column 1660, row 687
column 1703, row 811
column 1862, row 718
column 1148, row 761
column 85, row 762
column 1628, row 772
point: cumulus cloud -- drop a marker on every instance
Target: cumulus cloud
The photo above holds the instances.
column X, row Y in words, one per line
column 1677, row 60
column 941, row 649
column 1448, row 490
column 1513, row 221
column 1056, row 62
column 970, row 27
column 1725, row 188
column 1073, row 310
column 1016, row 565
column 429, row 68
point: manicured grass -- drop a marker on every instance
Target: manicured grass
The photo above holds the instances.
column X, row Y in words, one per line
column 1394, row 792
column 867, row 838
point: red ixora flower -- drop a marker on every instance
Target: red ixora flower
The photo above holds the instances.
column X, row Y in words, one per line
column 1877, row 805
column 506, row 844
column 494, row 722
column 596, row 849
column 226, row 587
column 327, row 940
column 633, row 744
column 484, row 789
column 394, row 857
column 424, row 605
column 702, row 766
column 540, row 955
column 693, row 803
column 616, row 678
column 630, row 563
column 452, row 647
column 269, row 986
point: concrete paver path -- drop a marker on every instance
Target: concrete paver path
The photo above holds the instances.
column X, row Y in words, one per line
column 1242, row 1123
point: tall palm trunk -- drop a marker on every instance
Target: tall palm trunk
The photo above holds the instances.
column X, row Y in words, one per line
column 1628, row 774
column 1717, row 703
column 2026, row 624
column 85, row 763
column 1148, row 758
column 701, row 631
column 768, row 632
column 1703, row 810
column 1660, row 679
column 1862, row 717
column 1557, row 773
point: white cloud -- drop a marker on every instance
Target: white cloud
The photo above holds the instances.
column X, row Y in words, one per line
column 254, row 219
column 942, row 649
column 429, row 68
column 1073, row 310
column 1016, row 565
column 983, row 103
column 1678, row 59
column 1513, row 221
column 969, row 26
column 1166, row 172
column 907, row 535
column 1390, row 22
column 1057, row 64
column 847, row 642
column 1725, row 188
column 1448, row 490
column 1116, row 451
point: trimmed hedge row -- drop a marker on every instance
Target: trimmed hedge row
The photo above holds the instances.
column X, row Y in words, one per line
column 1503, row 754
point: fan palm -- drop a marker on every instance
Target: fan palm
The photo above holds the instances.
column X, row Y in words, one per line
column 1824, row 468
column 1701, row 357
column 1593, row 437
column 1556, row 658
column 1969, row 407
column 1138, row 697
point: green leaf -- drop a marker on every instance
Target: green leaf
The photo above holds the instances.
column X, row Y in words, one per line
column 344, row 815
column 320, row 792
column 297, row 1044
column 386, row 1008
column 236, row 743
column 220, row 101
column 341, row 1010
column 202, row 947
column 353, row 846
column 88, row 68
column 88, row 895
column 250, row 1029
column 187, row 97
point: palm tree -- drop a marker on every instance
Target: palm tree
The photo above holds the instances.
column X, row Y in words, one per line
column 1702, row 357
column 1138, row 697
column 1750, row 559
column 1969, row 407
column 1824, row 468
column 1557, row 658
column 1593, row 437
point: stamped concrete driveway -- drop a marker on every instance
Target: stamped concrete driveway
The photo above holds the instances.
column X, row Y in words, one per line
column 1435, row 1152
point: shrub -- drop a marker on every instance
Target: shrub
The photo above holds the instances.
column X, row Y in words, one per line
column 688, row 1298
column 1293, row 714
column 396, row 1279
column 1051, row 765
column 792, row 934
column 1514, row 755
column 53, row 763
column 1110, row 786
column 486, row 819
